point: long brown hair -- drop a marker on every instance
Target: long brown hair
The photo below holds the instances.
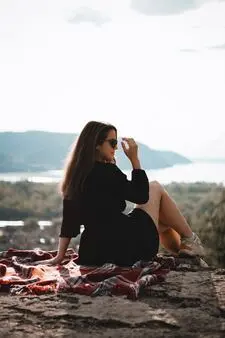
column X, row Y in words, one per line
column 82, row 157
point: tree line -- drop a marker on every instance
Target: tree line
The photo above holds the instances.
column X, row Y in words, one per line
column 203, row 204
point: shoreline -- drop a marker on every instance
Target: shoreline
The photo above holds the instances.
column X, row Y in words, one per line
column 183, row 173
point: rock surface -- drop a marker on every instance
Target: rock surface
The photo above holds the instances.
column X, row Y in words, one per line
column 190, row 303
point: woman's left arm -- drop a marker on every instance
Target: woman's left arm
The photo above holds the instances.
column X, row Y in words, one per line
column 71, row 219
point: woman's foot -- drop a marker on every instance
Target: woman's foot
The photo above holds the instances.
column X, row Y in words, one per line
column 191, row 246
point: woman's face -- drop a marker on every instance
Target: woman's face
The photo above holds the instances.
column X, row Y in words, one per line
column 106, row 151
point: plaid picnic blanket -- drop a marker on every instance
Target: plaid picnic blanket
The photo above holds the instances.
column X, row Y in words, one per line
column 20, row 275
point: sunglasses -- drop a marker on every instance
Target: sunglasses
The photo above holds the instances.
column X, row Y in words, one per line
column 113, row 142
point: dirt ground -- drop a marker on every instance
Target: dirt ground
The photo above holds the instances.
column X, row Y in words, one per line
column 189, row 303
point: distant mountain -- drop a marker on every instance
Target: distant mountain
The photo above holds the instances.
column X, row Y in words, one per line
column 152, row 159
column 41, row 151
column 164, row 7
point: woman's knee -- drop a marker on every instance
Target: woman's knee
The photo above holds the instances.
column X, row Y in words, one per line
column 155, row 185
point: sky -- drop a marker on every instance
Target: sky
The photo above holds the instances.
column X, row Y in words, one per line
column 155, row 69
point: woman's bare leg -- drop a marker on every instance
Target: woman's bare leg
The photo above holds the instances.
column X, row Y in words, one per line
column 169, row 238
column 164, row 211
column 174, row 231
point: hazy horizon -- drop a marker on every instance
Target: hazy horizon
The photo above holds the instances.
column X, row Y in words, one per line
column 198, row 158
column 154, row 69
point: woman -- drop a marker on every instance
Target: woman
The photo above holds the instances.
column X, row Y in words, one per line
column 94, row 192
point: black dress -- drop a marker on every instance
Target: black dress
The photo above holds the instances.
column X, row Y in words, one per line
column 110, row 236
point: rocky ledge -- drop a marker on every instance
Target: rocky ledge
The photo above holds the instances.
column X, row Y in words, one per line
column 190, row 303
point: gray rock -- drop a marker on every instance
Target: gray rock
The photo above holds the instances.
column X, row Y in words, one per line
column 188, row 304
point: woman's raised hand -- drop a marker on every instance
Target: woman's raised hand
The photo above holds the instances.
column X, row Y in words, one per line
column 130, row 148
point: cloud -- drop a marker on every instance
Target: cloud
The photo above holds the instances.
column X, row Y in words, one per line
column 194, row 50
column 86, row 14
column 165, row 7
column 188, row 50
column 220, row 46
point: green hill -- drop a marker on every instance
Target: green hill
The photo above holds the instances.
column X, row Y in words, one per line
column 40, row 151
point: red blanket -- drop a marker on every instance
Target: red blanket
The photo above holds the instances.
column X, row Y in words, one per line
column 20, row 275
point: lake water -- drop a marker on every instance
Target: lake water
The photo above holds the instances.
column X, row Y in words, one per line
column 194, row 172
column 41, row 224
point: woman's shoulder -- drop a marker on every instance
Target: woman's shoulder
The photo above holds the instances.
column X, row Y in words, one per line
column 108, row 169
column 106, row 166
